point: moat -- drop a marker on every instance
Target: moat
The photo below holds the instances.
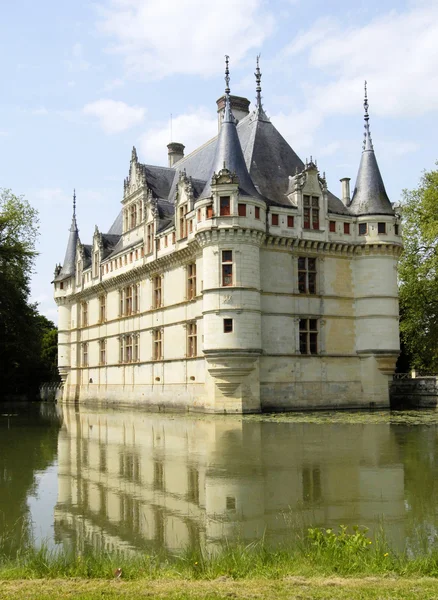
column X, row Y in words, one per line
column 78, row 478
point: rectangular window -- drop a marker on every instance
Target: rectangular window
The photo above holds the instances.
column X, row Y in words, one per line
column 363, row 228
column 290, row 221
column 166, row 241
column 257, row 212
column 308, row 336
column 228, row 325
column 274, row 219
column 102, row 352
column 241, row 209
column 306, row 275
column 191, row 226
column 191, row 281
column 199, row 214
column 85, row 354
column 381, row 227
column 102, row 308
column 332, row 226
column 225, row 206
column 125, row 219
column 158, row 244
column 395, row 231
column 173, row 238
column 84, row 316
column 157, row 297
column 191, row 339
column 182, row 221
column 347, row 228
column 227, row 267
column 210, row 211
column 140, row 211
column 310, row 212
column 128, row 349
column 157, row 350
column 61, row 285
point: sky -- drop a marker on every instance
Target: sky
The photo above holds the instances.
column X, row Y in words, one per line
column 85, row 81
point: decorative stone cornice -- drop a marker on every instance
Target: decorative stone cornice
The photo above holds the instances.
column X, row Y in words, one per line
column 237, row 235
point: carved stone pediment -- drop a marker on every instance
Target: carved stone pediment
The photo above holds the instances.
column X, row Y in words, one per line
column 225, row 176
column 137, row 175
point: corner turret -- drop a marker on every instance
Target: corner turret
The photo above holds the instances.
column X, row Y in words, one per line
column 68, row 267
column 369, row 196
column 229, row 153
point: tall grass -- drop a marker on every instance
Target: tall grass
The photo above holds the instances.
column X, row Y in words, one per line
column 318, row 552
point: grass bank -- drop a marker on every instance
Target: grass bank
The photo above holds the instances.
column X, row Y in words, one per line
column 324, row 563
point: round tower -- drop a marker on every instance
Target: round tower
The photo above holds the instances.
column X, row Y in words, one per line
column 375, row 276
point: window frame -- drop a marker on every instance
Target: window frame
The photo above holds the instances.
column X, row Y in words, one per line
column 381, row 225
column 225, row 206
column 191, row 281
column 192, row 339
column 241, row 209
column 227, row 268
column 290, row 221
column 308, row 336
column 307, row 276
column 84, row 354
column 362, row 226
column 347, row 228
column 228, row 325
column 102, row 351
column 311, row 212
column 332, row 226
column 102, row 308
column 157, row 291
column 157, row 353
column 275, row 220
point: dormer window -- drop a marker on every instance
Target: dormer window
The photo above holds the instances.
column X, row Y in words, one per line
column 225, row 202
column 96, row 264
column 310, row 212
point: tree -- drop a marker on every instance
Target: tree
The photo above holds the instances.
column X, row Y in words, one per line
column 22, row 329
column 418, row 274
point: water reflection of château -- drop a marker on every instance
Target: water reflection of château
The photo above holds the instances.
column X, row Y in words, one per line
column 136, row 480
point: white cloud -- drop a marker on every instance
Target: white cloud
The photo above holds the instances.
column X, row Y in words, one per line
column 395, row 52
column 164, row 38
column 191, row 129
column 114, row 116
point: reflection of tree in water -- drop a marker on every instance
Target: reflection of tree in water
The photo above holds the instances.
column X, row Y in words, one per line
column 419, row 452
column 28, row 444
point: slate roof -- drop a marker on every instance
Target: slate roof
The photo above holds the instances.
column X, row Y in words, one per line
column 369, row 195
column 69, row 264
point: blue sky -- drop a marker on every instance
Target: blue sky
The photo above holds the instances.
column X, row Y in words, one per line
column 85, row 81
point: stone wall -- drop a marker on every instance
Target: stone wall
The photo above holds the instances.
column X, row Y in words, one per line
column 421, row 392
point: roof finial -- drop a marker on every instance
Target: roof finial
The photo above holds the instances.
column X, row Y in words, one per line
column 74, row 204
column 258, row 77
column 227, row 75
column 367, row 142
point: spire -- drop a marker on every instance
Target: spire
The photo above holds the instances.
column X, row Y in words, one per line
column 369, row 196
column 258, row 77
column 367, row 142
column 228, row 154
column 68, row 267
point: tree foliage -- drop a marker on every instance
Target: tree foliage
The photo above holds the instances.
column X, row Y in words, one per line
column 23, row 366
column 418, row 274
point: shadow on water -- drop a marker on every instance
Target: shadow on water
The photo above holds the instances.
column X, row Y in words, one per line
column 28, row 445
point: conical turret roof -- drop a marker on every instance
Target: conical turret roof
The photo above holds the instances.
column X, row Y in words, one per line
column 369, row 196
column 228, row 153
column 68, row 267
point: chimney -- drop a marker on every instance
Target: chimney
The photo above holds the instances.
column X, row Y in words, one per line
column 239, row 107
column 345, row 181
column 175, row 152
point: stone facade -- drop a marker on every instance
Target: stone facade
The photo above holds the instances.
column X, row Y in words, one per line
column 223, row 287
